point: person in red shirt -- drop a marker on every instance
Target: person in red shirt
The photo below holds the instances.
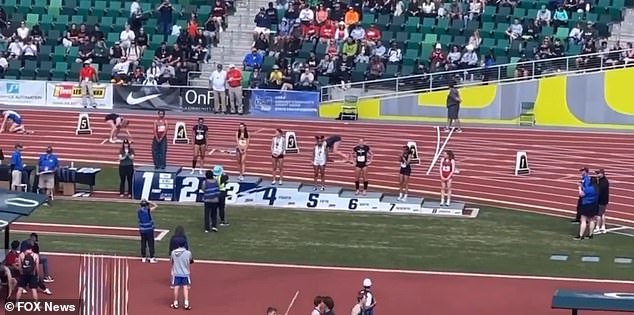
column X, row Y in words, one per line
column 234, row 81
column 437, row 58
column 87, row 76
column 310, row 31
column 447, row 168
column 11, row 266
column 373, row 33
column 327, row 31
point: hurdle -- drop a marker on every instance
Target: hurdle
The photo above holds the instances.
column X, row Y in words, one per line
column 103, row 285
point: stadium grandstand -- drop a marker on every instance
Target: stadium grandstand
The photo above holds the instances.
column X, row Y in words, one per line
column 337, row 42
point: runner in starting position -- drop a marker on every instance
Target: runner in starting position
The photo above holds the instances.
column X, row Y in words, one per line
column 447, row 167
column 332, row 143
column 12, row 122
column 363, row 158
column 117, row 123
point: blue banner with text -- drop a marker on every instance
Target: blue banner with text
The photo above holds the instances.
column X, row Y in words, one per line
column 284, row 103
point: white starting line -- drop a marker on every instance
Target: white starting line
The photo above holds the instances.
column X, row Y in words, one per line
column 161, row 232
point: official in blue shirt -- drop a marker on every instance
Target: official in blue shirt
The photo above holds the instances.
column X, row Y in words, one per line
column 47, row 166
column 252, row 60
column 211, row 199
column 146, row 230
column 585, row 178
column 589, row 193
column 17, row 167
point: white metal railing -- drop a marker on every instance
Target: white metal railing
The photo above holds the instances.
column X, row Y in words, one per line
column 534, row 69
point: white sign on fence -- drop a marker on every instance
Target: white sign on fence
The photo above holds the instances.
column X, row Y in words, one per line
column 22, row 92
column 69, row 94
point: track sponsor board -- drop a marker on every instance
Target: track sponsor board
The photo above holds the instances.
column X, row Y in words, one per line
column 147, row 97
column 22, row 92
column 69, row 94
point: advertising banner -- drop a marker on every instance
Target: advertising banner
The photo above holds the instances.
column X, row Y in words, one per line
column 141, row 97
column 198, row 99
column 23, row 92
column 277, row 103
column 68, row 94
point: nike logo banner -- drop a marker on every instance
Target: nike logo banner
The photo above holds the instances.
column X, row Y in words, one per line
column 147, row 98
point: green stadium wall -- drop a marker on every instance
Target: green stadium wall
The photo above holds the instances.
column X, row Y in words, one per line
column 594, row 100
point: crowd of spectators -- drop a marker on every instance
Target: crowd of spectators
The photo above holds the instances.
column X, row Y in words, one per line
column 126, row 59
column 340, row 42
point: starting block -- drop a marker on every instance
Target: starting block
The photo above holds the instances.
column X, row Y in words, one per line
column 521, row 164
column 180, row 133
column 291, row 143
column 413, row 149
column 83, row 125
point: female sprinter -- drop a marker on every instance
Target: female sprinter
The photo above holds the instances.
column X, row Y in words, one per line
column 447, row 167
column 320, row 157
column 363, row 158
column 200, row 144
column 242, row 139
column 332, row 143
column 405, row 172
column 15, row 120
column 589, row 210
column 116, row 123
column 278, row 147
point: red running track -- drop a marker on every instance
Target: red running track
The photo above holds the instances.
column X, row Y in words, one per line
column 233, row 288
column 485, row 156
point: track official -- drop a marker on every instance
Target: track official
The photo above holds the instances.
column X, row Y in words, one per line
column 47, row 166
column 222, row 179
column 585, row 180
column 17, row 167
column 211, row 199
column 146, row 229
column 604, row 199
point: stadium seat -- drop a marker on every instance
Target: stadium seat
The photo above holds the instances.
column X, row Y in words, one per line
column 60, row 71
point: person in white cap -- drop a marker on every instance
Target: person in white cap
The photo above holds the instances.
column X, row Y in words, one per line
column 368, row 297
column 218, row 83
column 234, row 89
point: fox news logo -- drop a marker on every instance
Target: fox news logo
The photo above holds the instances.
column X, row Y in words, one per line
column 74, row 91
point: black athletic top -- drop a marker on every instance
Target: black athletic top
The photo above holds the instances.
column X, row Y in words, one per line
column 200, row 134
column 361, row 152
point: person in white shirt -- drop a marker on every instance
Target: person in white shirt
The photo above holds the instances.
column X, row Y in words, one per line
column 278, row 148
column 574, row 37
column 367, row 297
column 307, row 79
column 134, row 7
column 306, row 15
column 150, row 81
column 29, row 51
column 4, row 63
column 132, row 54
column 320, row 157
column 22, row 31
column 127, row 37
column 218, row 85
column 155, row 70
column 121, row 69
column 379, row 50
column 394, row 55
column 15, row 49
column 358, row 33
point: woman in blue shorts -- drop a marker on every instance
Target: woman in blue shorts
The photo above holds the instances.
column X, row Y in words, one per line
column 12, row 122
column 181, row 259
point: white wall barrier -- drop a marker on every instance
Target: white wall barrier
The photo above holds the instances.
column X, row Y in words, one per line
column 54, row 94
column 17, row 92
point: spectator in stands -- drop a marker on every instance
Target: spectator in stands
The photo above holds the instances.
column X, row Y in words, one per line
column 351, row 17
column 437, row 60
column 261, row 44
column 219, row 14
column 127, row 37
column 177, row 55
column 357, row 32
column 341, row 33
column 82, row 33
column 522, row 67
column 628, row 54
column 121, row 69
column 135, row 6
column 4, row 63
column 85, row 53
column 136, row 21
column 155, row 70
column 531, row 29
column 589, row 33
column 614, row 56
column 11, row 266
column 379, row 50
column 137, row 77
column 475, row 9
column 570, row 6
column 475, row 40
column 394, row 54
column 428, row 9
column 256, row 79
column 165, row 18
column 413, row 9
column 364, row 53
column 73, row 34
column 29, row 51
column 560, row 17
column 133, row 54
column 271, row 13
column 262, row 24
column 151, row 81
column 22, row 31
column 469, row 59
column 515, row 30
column 276, row 78
column 453, row 58
column 37, row 35
column 181, row 76
column 586, row 58
column 234, row 89
column 100, row 52
column 321, row 15
column 377, row 68
column 543, row 16
column 307, row 80
column 455, row 10
column 141, row 41
column 349, row 49
column 34, row 240
column 15, row 49
column 116, row 52
column 306, row 15
column 490, row 71
column 3, row 19
column 575, row 35
column 252, row 60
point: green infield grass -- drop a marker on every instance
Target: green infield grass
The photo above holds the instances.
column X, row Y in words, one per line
column 498, row 241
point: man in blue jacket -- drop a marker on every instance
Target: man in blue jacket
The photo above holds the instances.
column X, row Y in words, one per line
column 17, row 167
column 585, row 180
column 47, row 166
column 146, row 229
column 252, row 60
